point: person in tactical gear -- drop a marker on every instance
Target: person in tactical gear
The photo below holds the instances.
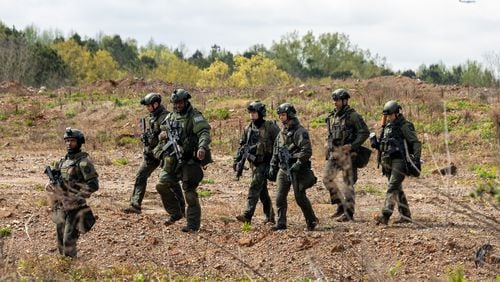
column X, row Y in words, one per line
column 398, row 138
column 258, row 138
column 149, row 137
column 291, row 156
column 184, row 150
column 347, row 131
column 72, row 180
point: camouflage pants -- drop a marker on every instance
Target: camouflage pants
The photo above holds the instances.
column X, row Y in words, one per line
column 258, row 190
column 190, row 174
column 148, row 165
column 344, row 195
column 66, row 230
column 300, row 197
column 395, row 194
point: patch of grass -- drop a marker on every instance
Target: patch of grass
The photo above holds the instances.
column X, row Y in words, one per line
column 370, row 189
column 318, row 121
column 204, row 193
column 42, row 202
column 29, row 122
column 246, row 226
column 103, row 136
column 207, row 181
column 70, row 113
column 395, row 269
column 5, row 231
column 487, row 131
column 456, row 275
column 119, row 117
column 126, row 140
column 120, row 161
column 217, row 114
column 485, row 171
column 3, row 116
column 39, row 187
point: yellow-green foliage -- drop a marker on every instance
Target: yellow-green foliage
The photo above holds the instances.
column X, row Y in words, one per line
column 257, row 71
column 171, row 68
column 85, row 67
column 246, row 226
column 5, row 231
column 204, row 193
column 216, row 114
column 214, row 76
column 120, row 161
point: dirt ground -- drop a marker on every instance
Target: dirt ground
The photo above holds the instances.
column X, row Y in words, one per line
column 448, row 228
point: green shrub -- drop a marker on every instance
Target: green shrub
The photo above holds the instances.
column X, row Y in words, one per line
column 217, row 114
column 318, row 121
column 70, row 113
column 208, row 181
column 204, row 193
column 246, row 226
column 3, row 116
column 120, row 161
column 125, row 140
column 29, row 122
column 5, row 231
column 456, row 275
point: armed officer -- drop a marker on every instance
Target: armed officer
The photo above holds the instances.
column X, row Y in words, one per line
column 258, row 138
column 398, row 138
column 184, row 149
column 346, row 133
column 151, row 130
column 291, row 155
column 74, row 179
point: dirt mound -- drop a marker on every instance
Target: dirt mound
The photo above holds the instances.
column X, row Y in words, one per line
column 15, row 87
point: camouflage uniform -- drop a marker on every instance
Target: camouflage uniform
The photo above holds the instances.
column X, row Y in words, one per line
column 194, row 134
column 262, row 134
column 296, row 139
column 150, row 162
column 70, row 211
column 394, row 164
column 346, row 126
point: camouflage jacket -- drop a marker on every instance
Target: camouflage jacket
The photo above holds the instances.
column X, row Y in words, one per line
column 394, row 134
column 296, row 138
column 79, row 180
column 153, row 121
column 260, row 137
column 346, row 126
column 194, row 132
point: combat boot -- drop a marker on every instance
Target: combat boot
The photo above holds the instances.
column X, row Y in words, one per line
column 132, row 209
column 312, row 225
column 278, row 227
column 172, row 219
column 380, row 219
column 188, row 229
column 403, row 219
column 339, row 211
column 243, row 218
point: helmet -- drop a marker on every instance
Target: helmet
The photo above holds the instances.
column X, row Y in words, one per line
column 340, row 94
column 391, row 107
column 179, row 95
column 287, row 108
column 257, row 106
column 151, row 98
column 74, row 133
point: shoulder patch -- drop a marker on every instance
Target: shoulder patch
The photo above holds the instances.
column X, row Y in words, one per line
column 198, row 118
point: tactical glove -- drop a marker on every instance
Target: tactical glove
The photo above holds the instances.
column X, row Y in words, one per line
column 296, row 167
column 272, row 173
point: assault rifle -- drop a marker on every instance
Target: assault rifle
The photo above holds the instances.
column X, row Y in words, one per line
column 375, row 143
column 54, row 176
column 173, row 135
column 144, row 136
column 284, row 157
column 244, row 155
column 60, row 191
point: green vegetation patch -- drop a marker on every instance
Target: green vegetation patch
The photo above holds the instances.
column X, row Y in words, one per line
column 217, row 114
column 204, row 193
column 5, row 231
column 120, row 161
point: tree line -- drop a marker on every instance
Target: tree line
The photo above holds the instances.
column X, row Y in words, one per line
column 48, row 58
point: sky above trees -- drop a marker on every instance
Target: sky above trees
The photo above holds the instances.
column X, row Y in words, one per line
column 406, row 33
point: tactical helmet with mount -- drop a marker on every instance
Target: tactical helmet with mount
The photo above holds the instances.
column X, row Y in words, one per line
column 340, row 94
column 391, row 107
column 179, row 95
column 74, row 133
column 151, row 98
column 287, row 108
column 257, row 106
